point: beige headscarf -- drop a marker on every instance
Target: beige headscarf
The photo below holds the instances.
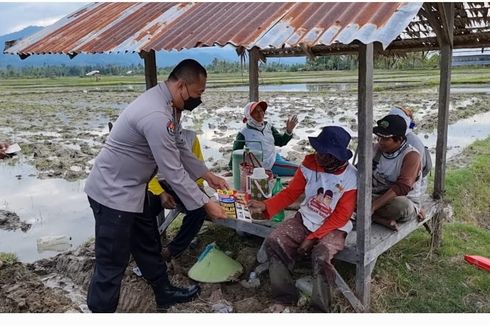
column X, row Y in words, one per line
column 247, row 112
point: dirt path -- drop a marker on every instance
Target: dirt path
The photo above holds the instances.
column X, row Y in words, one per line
column 30, row 287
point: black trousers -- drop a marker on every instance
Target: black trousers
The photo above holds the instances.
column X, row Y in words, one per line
column 117, row 235
column 191, row 224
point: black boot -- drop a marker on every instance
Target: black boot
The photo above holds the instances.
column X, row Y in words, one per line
column 322, row 287
column 322, row 294
column 282, row 284
column 167, row 295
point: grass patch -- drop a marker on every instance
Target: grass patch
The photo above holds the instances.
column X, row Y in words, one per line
column 407, row 279
column 7, row 258
column 417, row 77
column 467, row 189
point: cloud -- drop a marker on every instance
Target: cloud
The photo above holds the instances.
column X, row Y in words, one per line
column 16, row 16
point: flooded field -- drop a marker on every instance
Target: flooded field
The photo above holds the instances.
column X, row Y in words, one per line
column 61, row 130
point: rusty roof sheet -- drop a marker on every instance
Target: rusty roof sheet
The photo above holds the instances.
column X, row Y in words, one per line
column 135, row 27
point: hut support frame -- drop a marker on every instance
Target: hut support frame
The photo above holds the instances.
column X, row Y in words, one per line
column 366, row 251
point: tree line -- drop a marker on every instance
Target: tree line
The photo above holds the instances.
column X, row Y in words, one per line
column 333, row 62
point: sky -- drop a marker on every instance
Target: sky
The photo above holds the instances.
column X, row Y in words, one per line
column 15, row 16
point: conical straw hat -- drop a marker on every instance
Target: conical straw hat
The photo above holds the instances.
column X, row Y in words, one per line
column 214, row 266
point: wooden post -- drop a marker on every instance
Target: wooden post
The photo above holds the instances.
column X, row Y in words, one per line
column 150, row 68
column 365, row 152
column 442, row 123
column 445, row 39
column 253, row 74
column 445, row 43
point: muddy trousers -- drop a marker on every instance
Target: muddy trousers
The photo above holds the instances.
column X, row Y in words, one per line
column 400, row 209
column 281, row 247
column 191, row 224
column 118, row 235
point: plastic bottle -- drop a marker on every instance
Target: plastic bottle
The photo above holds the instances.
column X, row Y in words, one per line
column 277, row 188
column 237, row 158
column 54, row 243
column 253, row 280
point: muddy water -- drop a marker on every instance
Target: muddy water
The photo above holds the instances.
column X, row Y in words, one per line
column 329, row 87
column 297, row 88
column 468, row 88
column 52, row 206
column 461, row 134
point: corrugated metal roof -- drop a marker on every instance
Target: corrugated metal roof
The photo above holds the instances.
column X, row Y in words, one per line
column 135, row 27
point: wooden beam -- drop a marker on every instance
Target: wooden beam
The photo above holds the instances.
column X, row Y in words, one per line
column 441, row 20
column 365, row 152
column 443, row 119
column 446, row 54
column 396, row 47
column 243, row 226
column 347, row 293
column 433, row 20
column 150, row 68
column 253, row 74
column 446, row 11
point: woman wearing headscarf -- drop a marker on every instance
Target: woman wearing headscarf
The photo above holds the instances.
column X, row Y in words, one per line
column 260, row 135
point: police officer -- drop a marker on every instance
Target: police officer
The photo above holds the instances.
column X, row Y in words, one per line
column 146, row 137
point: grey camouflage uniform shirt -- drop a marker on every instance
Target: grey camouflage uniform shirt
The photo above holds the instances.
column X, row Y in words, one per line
column 146, row 136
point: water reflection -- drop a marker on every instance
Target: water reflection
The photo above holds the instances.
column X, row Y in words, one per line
column 335, row 87
column 470, row 88
column 304, row 87
column 461, row 134
column 52, row 206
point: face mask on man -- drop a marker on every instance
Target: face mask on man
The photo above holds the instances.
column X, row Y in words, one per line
column 192, row 102
column 329, row 162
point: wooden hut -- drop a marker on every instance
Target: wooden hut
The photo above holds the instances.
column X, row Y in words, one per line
column 277, row 29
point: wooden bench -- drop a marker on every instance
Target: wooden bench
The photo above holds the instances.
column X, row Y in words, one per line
column 381, row 240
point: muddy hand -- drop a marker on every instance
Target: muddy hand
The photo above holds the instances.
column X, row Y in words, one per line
column 3, row 148
column 291, row 124
column 257, row 208
column 306, row 246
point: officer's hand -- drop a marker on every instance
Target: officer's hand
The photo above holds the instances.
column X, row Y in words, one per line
column 215, row 182
column 167, row 200
column 214, row 210
column 291, row 124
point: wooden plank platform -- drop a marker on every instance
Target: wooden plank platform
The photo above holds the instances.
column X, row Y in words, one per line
column 381, row 238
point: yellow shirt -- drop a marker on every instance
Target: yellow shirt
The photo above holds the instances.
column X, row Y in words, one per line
column 154, row 186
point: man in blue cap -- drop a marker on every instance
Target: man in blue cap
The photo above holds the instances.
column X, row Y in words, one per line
column 320, row 227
